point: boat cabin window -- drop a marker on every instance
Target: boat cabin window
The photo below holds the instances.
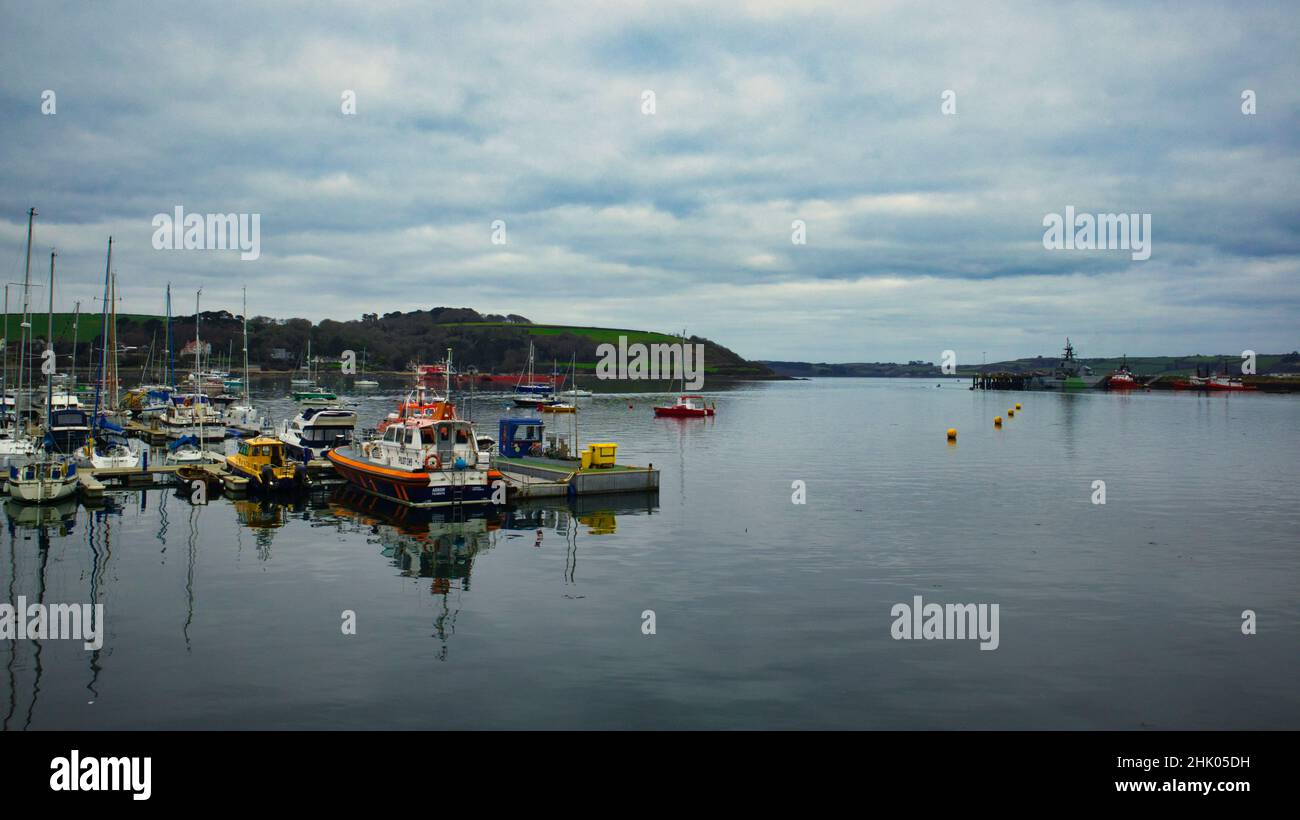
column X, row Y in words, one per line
column 428, row 436
column 444, row 431
column 243, row 448
column 528, row 432
column 391, row 433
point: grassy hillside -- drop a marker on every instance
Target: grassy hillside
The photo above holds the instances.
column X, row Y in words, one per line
column 88, row 325
column 392, row 342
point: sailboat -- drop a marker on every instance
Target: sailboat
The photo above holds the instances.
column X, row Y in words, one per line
column 301, row 381
column 550, row 404
column 314, row 395
column 530, row 393
column 191, row 415
column 363, row 382
column 107, row 445
column 48, row 476
column 687, row 406
column 241, row 418
column 14, row 446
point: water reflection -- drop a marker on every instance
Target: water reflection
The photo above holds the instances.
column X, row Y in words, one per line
column 422, row 543
column 40, row 527
column 105, row 553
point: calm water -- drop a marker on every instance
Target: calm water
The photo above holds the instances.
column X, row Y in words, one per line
column 768, row 614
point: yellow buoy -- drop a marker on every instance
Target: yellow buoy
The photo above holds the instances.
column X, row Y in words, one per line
column 997, row 421
column 952, row 433
column 1011, row 412
column 1017, row 405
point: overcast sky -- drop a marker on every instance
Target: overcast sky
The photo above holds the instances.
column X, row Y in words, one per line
column 924, row 230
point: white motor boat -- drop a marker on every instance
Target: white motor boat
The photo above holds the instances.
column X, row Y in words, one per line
column 242, row 420
column 316, row 430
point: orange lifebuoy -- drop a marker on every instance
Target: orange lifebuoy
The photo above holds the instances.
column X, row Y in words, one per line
column 432, row 462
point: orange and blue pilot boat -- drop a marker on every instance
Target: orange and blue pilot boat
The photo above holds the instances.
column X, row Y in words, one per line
column 421, row 462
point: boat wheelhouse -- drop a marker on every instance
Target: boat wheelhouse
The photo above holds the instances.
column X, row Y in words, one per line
column 69, row 429
column 420, row 403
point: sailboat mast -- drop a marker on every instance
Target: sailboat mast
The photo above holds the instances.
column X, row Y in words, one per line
column 170, row 379
column 112, row 335
column 198, row 384
column 245, row 346
column 103, row 326
column 49, row 345
column 22, row 345
column 4, row 369
column 197, row 349
column 76, row 320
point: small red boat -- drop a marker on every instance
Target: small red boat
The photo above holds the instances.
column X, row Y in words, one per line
column 1227, row 383
column 686, row 408
column 1221, row 381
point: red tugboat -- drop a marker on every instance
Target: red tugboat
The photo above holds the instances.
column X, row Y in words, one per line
column 686, row 408
column 1122, row 379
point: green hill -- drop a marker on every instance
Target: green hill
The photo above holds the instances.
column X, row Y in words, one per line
column 393, row 342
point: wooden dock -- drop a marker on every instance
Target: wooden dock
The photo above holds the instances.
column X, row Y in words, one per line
column 94, row 481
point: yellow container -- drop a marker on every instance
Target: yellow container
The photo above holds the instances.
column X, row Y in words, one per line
column 602, row 454
column 586, row 458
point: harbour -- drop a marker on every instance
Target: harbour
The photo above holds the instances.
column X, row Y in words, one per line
column 746, row 585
